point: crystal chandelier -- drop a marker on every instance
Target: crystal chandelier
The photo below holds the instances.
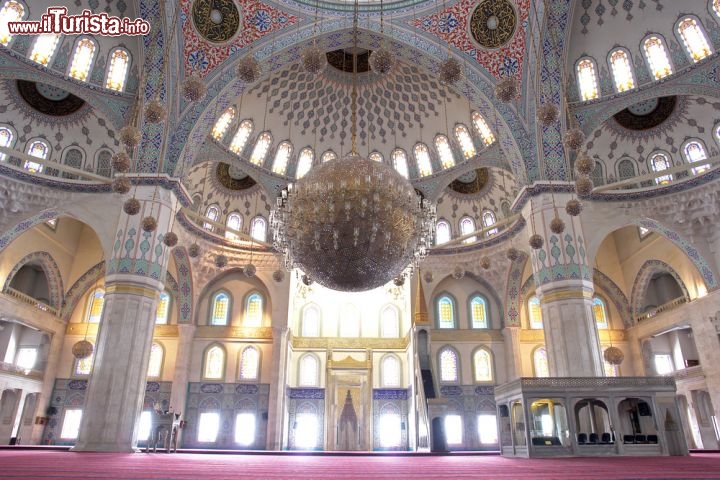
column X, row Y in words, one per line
column 352, row 224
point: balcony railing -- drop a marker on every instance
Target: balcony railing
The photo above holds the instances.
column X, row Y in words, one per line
column 662, row 308
column 32, row 301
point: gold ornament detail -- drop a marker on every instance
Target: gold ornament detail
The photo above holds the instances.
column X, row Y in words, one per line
column 221, row 261
column 250, row 270
column 584, row 164
column 507, row 89
column 512, row 254
column 493, row 23
column 574, row 139
column 130, row 136
column 485, row 263
column 583, row 186
column 450, row 71
column 248, row 69
column 382, row 61
column 194, row 250
column 313, row 59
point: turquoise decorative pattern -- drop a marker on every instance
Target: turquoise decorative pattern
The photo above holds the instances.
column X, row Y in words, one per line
column 185, row 285
column 22, row 227
column 513, row 297
column 52, row 273
column 615, row 294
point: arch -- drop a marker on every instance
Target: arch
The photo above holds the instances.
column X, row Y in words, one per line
column 659, row 161
column 482, row 128
column 83, row 57
column 535, row 320
column 656, row 55
column 249, row 369
column 478, row 311
column 223, row 123
column 444, row 151
column 462, row 135
column 389, row 322
column 52, row 272
column 262, row 146
column 442, row 232
column 220, row 308
column 103, row 162
column 586, row 71
column 625, row 168
column 117, row 70
column 390, row 371
column 254, row 309
column 448, row 361
column 376, row 157
column 600, row 312
column 399, row 161
column 694, row 151
column 38, row 148
column 214, row 362
column 73, row 156
column 282, row 155
column 693, row 37
column 77, row 291
column 488, row 220
column 212, row 212
column 304, row 163
column 620, row 61
column 242, row 134
column 642, row 280
column 155, row 363
column 615, row 294
column 327, row 156
column 258, row 228
column 422, row 158
column 482, row 364
column 467, row 225
column 8, row 136
column 95, row 305
column 44, row 48
column 234, row 221
column 310, row 321
column 445, row 311
column 309, row 370
column 11, row 11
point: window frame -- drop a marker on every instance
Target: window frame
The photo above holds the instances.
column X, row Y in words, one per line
column 630, row 66
column 453, row 304
column 686, row 157
column 215, row 132
column 239, row 149
column 246, row 306
column 13, row 138
column 59, row 39
column 223, row 371
column 487, row 351
column 167, row 310
column 302, row 162
column 467, row 154
column 487, row 212
column 41, row 162
column 89, row 302
column 109, row 66
column 316, row 383
column 162, row 361
column 480, row 124
column 400, row 154
column 211, row 308
column 449, row 229
column 275, row 166
column 484, row 299
column 467, row 219
column 530, row 319
column 607, row 325
column 383, row 374
column 253, row 221
column 91, row 63
column 663, row 179
column 535, row 361
column 701, row 31
column 458, row 369
column 303, row 313
column 396, row 311
column 23, row 16
column 258, row 369
column 589, row 96
column 230, row 235
column 648, row 61
column 421, row 150
column 208, row 226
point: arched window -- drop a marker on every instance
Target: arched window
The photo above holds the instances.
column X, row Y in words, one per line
column 253, row 310
column 282, row 155
column 442, row 145
column 117, row 70
column 219, row 309
column 73, row 158
column 540, row 362
column 261, row 148
column 250, row 364
column 422, row 157
column 96, row 301
column 309, row 371
column 104, row 163
column 214, row 363
column 482, row 128
column 234, row 221
column 587, row 79
column 694, row 38
column 327, row 156
column 349, row 322
column 11, row 11
column 390, row 375
column 449, row 365
column 258, row 228
column 310, row 322
column 445, row 312
column 37, row 149
column 657, row 57
column 622, row 70
column 488, row 219
column 44, row 48
column 6, row 139
column 535, row 312
column 222, row 124
column 695, row 152
column 163, row 309
column 211, row 213
column 716, row 7
column 389, row 322
column 84, row 366
column 467, row 225
column 399, row 159
column 626, row 169
column 156, row 361
column 599, row 312
column 465, row 140
column 304, row 163
column 82, row 59
column 376, row 157
column 658, row 163
column 241, row 136
column 442, row 232
column 478, row 312
column 483, row 365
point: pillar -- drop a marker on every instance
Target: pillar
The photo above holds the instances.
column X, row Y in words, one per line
column 707, row 343
column 564, row 286
column 178, row 395
column 52, row 363
column 513, row 353
column 276, row 401
column 134, row 279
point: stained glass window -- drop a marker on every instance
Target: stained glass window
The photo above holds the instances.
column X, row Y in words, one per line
column 84, row 54
column 442, row 232
column 241, row 136
column 310, row 322
column 250, row 364
column 587, row 79
column 211, row 213
column 694, row 39
column 540, row 361
column 467, row 225
column 695, row 152
column 309, row 369
column 446, row 312
column 422, row 157
column 600, row 312
column 448, row 365
column 37, row 149
column 44, row 48
column 214, row 363
column 96, row 302
column 622, row 71
column 389, row 323
column 483, row 129
column 161, row 313
column 482, row 361
column 282, row 155
column 84, row 366
column 305, row 160
column 222, row 124
column 11, row 11
column 535, row 312
column 657, row 57
column 488, row 219
column 658, row 163
column 376, row 157
column 327, row 156
column 399, row 159
column 6, row 138
column 253, row 310
column 234, row 221
column 478, row 312
column 117, row 71
column 258, row 228
column 390, row 372
column 442, row 145
column 220, row 309
column 261, row 148
column 465, row 140
column 156, row 361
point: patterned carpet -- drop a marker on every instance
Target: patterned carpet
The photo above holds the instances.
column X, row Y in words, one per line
column 58, row 465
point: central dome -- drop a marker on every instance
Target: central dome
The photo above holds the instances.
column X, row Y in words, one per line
column 352, row 224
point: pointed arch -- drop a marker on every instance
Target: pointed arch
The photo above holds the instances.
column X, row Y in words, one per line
column 448, row 360
column 541, row 366
column 482, row 365
column 220, row 307
column 214, row 362
column 83, row 58
column 308, row 370
column 254, row 309
column 614, row 294
column 642, row 280
column 390, row 371
column 76, row 292
column 249, row 369
column 52, row 272
column 310, row 321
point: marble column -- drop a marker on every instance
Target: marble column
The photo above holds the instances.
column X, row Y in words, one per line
column 43, row 401
column 705, row 329
column 513, row 353
column 178, row 395
column 133, row 282
column 563, row 279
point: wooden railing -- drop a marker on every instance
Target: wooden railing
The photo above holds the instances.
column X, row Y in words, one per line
column 31, row 301
column 662, row 308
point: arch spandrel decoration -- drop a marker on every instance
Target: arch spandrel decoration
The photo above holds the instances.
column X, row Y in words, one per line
column 642, row 280
column 52, row 272
column 615, row 294
column 76, row 292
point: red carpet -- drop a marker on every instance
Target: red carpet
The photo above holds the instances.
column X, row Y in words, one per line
column 68, row 465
